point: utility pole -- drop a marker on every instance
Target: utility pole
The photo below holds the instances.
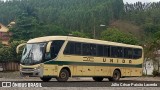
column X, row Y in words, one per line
column 94, row 30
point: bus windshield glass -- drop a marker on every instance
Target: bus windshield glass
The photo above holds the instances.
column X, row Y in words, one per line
column 33, row 53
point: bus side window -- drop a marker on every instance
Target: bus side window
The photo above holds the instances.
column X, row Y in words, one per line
column 99, row 50
column 114, row 51
column 128, row 53
column 120, row 52
column 78, row 48
column 86, row 49
column 107, row 51
column 70, row 48
column 93, row 49
column 55, row 48
column 137, row 53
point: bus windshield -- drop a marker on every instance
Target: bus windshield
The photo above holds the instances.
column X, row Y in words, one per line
column 33, row 53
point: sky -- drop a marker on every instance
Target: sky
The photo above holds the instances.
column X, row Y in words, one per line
column 133, row 1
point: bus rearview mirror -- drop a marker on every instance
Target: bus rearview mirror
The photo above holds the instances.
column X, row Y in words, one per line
column 18, row 47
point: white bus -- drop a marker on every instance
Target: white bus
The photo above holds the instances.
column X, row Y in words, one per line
column 62, row 57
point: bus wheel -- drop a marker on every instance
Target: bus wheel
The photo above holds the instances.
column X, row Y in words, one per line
column 116, row 76
column 63, row 76
column 45, row 79
column 98, row 79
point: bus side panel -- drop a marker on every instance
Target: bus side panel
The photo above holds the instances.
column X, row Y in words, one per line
column 123, row 72
column 78, row 70
column 98, row 71
column 128, row 72
column 88, row 70
column 136, row 72
column 50, row 70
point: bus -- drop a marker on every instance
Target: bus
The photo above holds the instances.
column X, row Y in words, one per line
column 62, row 57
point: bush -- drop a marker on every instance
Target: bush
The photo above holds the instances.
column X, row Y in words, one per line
column 8, row 53
column 1, row 45
column 155, row 73
column 4, row 54
column 79, row 34
column 115, row 35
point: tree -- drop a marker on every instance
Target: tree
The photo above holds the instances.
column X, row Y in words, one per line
column 79, row 34
column 12, row 50
column 4, row 54
column 25, row 25
column 70, row 15
column 8, row 53
column 1, row 45
column 49, row 30
column 151, row 50
column 115, row 35
column 30, row 26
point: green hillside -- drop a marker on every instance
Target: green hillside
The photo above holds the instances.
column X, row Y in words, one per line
column 80, row 17
column 54, row 17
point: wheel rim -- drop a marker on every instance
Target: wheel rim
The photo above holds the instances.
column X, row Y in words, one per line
column 63, row 75
column 116, row 76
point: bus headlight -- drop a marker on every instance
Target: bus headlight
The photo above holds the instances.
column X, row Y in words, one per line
column 37, row 67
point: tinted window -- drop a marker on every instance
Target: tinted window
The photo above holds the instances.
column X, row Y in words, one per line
column 55, row 48
column 107, row 51
column 86, row 49
column 99, row 50
column 119, row 52
column 128, row 53
column 113, row 51
column 137, row 53
column 78, row 48
column 70, row 48
column 93, row 49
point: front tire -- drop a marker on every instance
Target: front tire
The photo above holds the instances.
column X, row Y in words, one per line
column 45, row 79
column 98, row 79
column 63, row 76
column 116, row 76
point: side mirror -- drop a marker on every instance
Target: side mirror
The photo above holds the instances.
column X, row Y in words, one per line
column 20, row 45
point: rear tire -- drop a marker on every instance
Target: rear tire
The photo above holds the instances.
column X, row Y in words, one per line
column 63, row 76
column 45, row 79
column 116, row 76
column 98, row 79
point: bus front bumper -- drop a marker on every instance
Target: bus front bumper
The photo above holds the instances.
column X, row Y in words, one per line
column 31, row 72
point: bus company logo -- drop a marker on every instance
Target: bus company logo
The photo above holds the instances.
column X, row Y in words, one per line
column 6, row 84
column 21, row 84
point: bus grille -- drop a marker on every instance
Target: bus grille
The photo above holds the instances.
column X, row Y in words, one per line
column 27, row 69
column 27, row 74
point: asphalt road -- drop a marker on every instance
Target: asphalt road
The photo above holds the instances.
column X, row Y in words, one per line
column 125, row 83
column 76, row 83
column 84, row 84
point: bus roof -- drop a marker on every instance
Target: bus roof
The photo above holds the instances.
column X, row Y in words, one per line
column 79, row 39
